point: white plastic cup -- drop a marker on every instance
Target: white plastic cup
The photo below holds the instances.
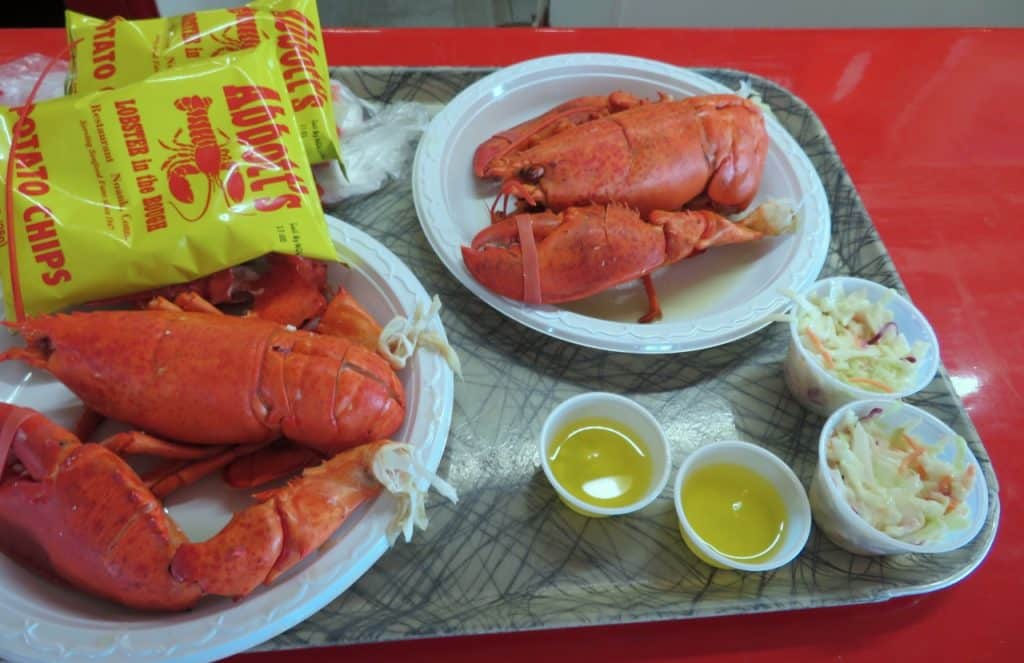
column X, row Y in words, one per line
column 821, row 392
column 840, row 523
column 625, row 411
column 769, row 466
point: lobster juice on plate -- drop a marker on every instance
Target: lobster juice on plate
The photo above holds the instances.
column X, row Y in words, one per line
column 604, row 454
column 852, row 339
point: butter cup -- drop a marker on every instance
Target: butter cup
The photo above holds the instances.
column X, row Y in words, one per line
column 627, row 412
column 767, row 465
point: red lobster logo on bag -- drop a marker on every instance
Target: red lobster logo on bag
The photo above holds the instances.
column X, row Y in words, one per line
column 202, row 160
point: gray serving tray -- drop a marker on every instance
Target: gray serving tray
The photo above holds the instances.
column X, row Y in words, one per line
column 509, row 556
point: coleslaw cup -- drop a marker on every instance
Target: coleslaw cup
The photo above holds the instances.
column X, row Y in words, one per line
column 821, row 392
column 840, row 523
column 769, row 466
column 627, row 412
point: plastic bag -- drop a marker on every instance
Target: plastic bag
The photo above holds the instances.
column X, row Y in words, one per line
column 155, row 183
column 109, row 54
column 18, row 76
column 378, row 141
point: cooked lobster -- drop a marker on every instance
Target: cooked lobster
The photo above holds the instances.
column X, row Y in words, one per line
column 585, row 250
column 79, row 511
column 208, row 378
column 620, row 149
column 228, row 385
column 619, row 169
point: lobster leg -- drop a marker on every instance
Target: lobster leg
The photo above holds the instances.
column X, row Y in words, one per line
column 218, row 288
column 347, row 318
column 138, row 443
column 291, row 291
column 186, row 475
column 87, row 423
column 653, row 307
column 279, row 460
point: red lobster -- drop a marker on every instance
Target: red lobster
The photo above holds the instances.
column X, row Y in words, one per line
column 202, row 155
column 80, row 512
column 208, row 378
column 619, row 169
column 211, row 379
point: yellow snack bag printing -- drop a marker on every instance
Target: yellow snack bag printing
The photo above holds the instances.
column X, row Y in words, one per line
column 109, row 54
column 155, row 183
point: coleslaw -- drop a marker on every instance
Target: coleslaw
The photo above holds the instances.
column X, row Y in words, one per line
column 898, row 484
column 856, row 340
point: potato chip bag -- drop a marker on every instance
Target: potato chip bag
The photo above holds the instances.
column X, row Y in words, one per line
column 155, row 183
column 109, row 54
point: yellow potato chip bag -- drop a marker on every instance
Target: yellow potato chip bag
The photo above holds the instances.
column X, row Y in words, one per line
column 109, row 54
column 155, row 183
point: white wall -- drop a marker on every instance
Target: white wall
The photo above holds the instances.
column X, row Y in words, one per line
column 785, row 13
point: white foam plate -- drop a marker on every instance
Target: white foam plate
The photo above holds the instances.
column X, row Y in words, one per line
column 709, row 300
column 42, row 620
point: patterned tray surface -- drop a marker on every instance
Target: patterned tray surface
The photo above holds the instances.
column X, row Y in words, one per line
column 509, row 556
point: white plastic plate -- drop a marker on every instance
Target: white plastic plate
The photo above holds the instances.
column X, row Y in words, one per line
column 709, row 300
column 43, row 620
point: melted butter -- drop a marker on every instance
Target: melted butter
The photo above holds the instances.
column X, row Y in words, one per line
column 601, row 462
column 736, row 511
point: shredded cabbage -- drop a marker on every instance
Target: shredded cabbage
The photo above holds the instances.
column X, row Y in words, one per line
column 896, row 483
column 856, row 340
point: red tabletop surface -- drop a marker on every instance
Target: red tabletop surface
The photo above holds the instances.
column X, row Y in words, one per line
column 930, row 128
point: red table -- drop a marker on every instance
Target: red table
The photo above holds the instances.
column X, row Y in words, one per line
column 928, row 123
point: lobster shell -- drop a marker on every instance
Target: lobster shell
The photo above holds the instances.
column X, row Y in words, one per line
column 214, row 379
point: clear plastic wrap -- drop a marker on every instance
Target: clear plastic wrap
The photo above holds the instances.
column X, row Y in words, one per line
column 377, row 140
column 18, row 76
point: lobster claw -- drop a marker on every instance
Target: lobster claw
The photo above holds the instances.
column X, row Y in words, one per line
column 586, row 250
column 579, row 252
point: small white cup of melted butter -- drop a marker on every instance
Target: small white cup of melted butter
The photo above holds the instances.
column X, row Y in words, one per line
column 740, row 507
column 604, row 454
